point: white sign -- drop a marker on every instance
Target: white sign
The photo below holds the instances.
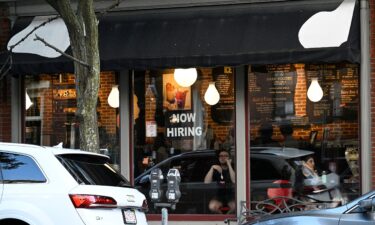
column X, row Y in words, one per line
column 184, row 125
column 151, row 129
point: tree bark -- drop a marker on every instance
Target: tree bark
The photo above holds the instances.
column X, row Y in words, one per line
column 83, row 32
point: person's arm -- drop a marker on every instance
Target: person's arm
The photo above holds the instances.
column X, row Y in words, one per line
column 208, row 177
column 210, row 173
column 232, row 174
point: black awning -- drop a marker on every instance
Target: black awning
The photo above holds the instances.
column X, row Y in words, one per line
column 262, row 33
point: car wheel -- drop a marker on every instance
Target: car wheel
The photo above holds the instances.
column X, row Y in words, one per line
column 12, row 222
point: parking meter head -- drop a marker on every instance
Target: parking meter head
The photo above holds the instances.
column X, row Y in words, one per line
column 173, row 193
column 174, row 173
column 156, row 178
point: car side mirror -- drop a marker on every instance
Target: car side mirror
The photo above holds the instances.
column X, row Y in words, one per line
column 367, row 204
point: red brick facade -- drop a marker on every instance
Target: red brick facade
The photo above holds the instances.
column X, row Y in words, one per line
column 5, row 104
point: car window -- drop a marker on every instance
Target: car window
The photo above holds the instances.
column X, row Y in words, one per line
column 263, row 169
column 18, row 168
column 92, row 170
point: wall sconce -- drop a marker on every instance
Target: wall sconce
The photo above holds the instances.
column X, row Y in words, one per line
column 212, row 96
column 315, row 92
column 185, row 77
column 114, row 97
column 28, row 102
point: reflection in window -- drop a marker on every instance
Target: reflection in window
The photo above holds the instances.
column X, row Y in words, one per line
column 51, row 119
column 317, row 140
column 171, row 121
column 20, row 169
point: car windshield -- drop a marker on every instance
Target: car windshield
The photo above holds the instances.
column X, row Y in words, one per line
column 92, row 170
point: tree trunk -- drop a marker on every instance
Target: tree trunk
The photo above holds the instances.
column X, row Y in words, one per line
column 83, row 32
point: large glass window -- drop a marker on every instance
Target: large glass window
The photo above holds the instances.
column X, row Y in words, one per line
column 50, row 108
column 304, row 132
column 184, row 127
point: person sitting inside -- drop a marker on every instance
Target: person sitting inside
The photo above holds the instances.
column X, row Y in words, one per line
column 288, row 140
column 313, row 185
column 265, row 137
column 223, row 174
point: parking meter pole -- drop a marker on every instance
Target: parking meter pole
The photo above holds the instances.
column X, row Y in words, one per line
column 164, row 216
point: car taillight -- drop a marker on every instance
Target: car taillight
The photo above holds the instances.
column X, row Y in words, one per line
column 93, row 201
column 145, row 206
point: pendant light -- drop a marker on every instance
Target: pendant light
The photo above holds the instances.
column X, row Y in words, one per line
column 185, row 77
column 114, row 97
column 315, row 92
column 212, row 96
column 28, row 102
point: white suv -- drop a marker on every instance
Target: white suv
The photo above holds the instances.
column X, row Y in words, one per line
column 55, row 186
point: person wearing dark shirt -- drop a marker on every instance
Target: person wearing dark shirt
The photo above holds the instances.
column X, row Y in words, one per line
column 224, row 175
column 265, row 137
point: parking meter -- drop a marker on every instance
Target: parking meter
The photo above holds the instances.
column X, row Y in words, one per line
column 156, row 177
column 173, row 193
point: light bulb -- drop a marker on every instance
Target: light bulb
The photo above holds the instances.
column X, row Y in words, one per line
column 114, row 97
column 315, row 92
column 28, row 102
column 211, row 96
column 185, row 77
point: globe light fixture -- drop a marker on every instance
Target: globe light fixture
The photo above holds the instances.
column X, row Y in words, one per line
column 185, row 77
column 212, row 96
column 315, row 92
column 28, row 102
column 114, row 97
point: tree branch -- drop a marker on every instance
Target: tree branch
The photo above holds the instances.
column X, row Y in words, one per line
column 32, row 31
column 37, row 38
column 6, row 66
column 109, row 8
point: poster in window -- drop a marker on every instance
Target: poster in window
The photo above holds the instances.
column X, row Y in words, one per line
column 151, row 129
column 223, row 111
column 271, row 91
column 340, row 87
column 175, row 97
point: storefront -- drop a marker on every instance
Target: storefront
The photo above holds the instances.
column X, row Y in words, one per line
column 252, row 97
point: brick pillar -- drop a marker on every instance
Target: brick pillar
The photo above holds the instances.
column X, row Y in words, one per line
column 5, row 107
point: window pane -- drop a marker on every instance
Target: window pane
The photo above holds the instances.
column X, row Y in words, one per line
column 92, row 170
column 50, row 114
column 305, row 138
column 175, row 127
column 20, row 169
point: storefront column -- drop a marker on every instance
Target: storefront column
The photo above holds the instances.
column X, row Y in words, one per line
column 124, row 88
column 16, row 110
column 365, row 90
column 241, row 150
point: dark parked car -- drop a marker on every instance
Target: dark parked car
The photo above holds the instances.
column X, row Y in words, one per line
column 266, row 166
column 359, row 211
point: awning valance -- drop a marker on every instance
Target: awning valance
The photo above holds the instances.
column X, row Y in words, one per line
column 262, row 33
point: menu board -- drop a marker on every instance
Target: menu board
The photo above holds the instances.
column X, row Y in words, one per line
column 340, row 92
column 223, row 112
column 271, row 92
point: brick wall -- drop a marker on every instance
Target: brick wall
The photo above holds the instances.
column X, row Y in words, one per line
column 337, row 130
column 372, row 56
column 4, row 26
column 5, row 111
column 54, row 119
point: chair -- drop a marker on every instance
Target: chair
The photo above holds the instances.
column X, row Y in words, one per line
column 278, row 194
